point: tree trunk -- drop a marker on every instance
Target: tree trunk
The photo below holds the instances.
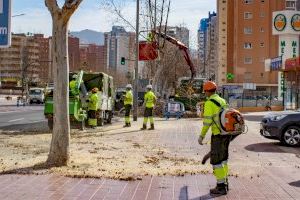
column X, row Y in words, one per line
column 59, row 151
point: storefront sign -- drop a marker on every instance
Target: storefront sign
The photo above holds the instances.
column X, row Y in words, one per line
column 288, row 48
column 286, row 22
column 5, row 23
column 276, row 63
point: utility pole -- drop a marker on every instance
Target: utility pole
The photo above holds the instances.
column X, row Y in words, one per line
column 136, row 68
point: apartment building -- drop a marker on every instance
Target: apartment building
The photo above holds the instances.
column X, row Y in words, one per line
column 119, row 43
column 92, row 57
column 20, row 62
column 246, row 40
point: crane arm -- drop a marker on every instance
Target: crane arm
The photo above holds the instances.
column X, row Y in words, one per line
column 182, row 47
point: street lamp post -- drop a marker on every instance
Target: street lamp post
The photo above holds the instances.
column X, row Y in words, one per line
column 136, row 68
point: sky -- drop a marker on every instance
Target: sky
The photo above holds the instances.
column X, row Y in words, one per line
column 90, row 16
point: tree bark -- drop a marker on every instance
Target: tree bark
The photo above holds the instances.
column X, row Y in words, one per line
column 59, row 150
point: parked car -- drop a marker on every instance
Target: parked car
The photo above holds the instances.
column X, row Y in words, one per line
column 283, row 126
column 36, row 95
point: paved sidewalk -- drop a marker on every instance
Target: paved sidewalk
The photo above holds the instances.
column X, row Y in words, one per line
column 265, row 170
column 23, row 187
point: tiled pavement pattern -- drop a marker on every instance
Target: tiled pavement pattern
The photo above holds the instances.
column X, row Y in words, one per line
column 23, row 187
column 279, row 179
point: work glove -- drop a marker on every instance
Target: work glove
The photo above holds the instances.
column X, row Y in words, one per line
column 200, row 140
column 87, row 100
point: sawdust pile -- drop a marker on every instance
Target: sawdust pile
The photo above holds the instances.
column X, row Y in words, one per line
column 116, row 153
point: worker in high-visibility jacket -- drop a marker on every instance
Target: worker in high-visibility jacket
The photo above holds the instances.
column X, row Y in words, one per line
column 149, row 102
column 219, row 143
column 128, row 102
column 73, row 85
column 93, row 107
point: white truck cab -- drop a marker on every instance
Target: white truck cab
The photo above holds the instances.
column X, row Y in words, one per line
column 36, row 95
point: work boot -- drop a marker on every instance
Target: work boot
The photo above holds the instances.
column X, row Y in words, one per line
column 144, row 127
column 129, row 125
column 219, row 190
column 126, row 125
column 152, row 127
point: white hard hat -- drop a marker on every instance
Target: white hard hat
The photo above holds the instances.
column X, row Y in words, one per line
column 129, row 86
column 149, row 87
column 74, row 76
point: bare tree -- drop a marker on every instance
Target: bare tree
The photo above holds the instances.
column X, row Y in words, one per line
column 154, row 15
column 59, row 150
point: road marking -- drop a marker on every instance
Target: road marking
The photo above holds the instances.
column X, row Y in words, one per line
column 39, row 121
column 16, row 120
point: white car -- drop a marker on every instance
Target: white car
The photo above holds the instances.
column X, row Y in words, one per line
column 36, row 95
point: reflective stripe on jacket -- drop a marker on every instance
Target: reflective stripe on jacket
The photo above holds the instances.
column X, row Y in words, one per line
column 128, row 98
column 150, row 99
column 211, row 115
column 93, row 102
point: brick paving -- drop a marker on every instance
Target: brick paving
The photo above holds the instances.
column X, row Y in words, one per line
column 278, row 178
column 23, row 187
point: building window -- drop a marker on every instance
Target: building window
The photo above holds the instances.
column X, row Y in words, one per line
column 262, row 1
column 248, row 1
column 248, row 60
column 247, row 45
column 262, row 75
column 262, row 44
column 262, row 14
column 262, row 29
column 248, row 15
column 290, row 5
column 248, row 30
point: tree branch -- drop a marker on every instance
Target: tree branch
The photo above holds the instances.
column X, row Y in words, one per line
column 118, row 12
column 69, row 8
column 52, row 6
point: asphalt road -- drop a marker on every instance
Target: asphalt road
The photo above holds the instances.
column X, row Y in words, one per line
column 14, row 117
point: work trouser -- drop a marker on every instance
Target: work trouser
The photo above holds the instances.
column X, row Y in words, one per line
column 219, row 157
column 148, row 114
column 92, row 121
column 127, row 113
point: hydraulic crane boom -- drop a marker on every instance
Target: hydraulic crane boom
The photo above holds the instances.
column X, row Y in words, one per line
column 182, row 47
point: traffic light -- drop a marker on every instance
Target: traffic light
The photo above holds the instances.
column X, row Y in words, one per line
column 122, row 60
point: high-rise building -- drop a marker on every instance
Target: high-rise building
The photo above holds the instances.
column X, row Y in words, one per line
column 20, row 61
column 118, row 44
column 202, row 35
column 207, row 40
column 245, row 40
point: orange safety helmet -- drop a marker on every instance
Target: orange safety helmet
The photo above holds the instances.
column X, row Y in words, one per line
column 95, row 90
column 209, row 86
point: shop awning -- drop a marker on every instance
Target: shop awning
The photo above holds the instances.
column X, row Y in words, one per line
column 292, row 64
